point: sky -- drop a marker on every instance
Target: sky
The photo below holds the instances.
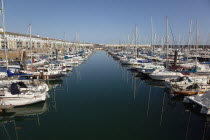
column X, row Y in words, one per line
column 109, row 21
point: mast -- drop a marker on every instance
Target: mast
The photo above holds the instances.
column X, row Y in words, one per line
column 136, row 29
column 64, row 42
column 128, row 43
column 196, row 38
column 167, row 42
column 162, row 45
column 77, row 40
column 135, row 35
column 152, row 40
column 189, row 39
column 4, row 33
column 30, row 43
column 166, row 36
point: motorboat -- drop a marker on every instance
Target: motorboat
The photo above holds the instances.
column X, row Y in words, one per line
column 165, row 75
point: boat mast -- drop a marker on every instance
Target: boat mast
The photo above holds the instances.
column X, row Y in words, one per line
column 152, row 39
column 30, row 43
column 4, row 33
column 128, row 43
column 189, row 39
column 136, row 30
column 166, row 41
column 196, row 38
column 154, row 42
column 166, row 36
column 64, row 45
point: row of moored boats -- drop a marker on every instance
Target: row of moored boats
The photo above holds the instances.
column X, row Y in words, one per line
column 184, row 76
column 25, row 84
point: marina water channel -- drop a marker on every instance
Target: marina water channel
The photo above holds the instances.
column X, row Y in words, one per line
column 103, row 100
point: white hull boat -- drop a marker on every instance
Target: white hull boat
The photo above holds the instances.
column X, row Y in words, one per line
column 165, row 75
column 22, row 93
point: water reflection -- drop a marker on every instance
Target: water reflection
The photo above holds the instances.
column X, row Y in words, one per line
column 193, row 126
column 166, row 114
column 206, row 125
column 109, row 102
column 159, row 84
column 162, row 109
column 11, row 120
column 148, row 105
column 55, row 84
column 31, row 110
column 20, row 113
column 134, row 86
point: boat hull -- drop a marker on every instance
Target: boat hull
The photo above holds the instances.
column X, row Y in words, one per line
column 163, row 77
column 23, row 100
column 187, row 93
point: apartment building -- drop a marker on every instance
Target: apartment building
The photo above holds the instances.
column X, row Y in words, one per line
column 16, row 40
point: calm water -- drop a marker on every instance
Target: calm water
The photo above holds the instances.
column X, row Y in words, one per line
column 101, row 100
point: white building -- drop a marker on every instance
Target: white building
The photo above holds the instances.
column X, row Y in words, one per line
column 16, row 40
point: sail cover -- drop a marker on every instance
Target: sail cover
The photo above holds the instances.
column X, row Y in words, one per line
column 14, row 89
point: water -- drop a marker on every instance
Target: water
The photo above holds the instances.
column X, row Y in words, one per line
column 102, row 100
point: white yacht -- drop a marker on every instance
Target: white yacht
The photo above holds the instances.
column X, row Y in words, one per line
column 21, row 93
column 165, row 75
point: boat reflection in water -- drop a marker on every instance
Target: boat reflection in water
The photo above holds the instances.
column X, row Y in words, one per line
column 206, row 127
column 54, row 84
column 31, row 110
column 159, row 84
column 150, row 82
column 10, row 118
column 193, row 125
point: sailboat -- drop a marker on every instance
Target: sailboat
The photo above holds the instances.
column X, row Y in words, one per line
column 20, row 92
column 52, row 71
column 165, row 74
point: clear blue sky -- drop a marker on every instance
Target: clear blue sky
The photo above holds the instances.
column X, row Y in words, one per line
column 106, row 21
